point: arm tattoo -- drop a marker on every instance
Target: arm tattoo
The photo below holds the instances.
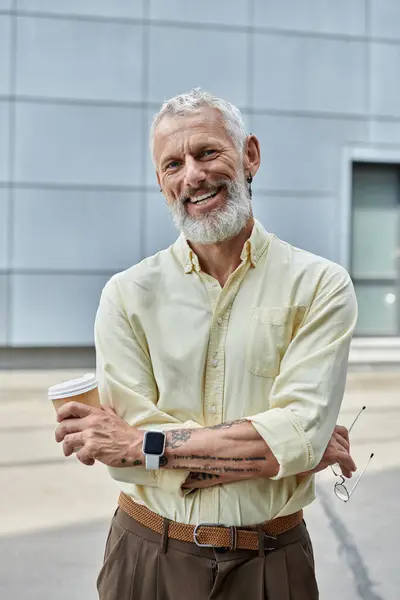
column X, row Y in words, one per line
column 221, row 458
column 195, row 469
column 206, row 470
column 177, row 437
column 202, row 476
column 233, row 470
column 136, row 463
column 228, row 424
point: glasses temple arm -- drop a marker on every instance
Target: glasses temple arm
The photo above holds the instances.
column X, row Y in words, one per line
column 361, row 474
column 356, row 419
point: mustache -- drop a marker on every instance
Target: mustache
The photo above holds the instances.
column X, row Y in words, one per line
column 206, row 187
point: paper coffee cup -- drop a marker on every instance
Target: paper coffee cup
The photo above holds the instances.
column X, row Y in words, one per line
column 84, row 390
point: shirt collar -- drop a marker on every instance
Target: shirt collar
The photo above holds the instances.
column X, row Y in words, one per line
column 252, row 251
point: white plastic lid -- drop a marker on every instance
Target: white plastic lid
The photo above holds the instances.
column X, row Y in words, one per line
column 73, row 387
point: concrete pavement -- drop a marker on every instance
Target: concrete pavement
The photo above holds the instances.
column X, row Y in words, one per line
column 54, row 512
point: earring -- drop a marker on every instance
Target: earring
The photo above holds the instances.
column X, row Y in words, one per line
column 249, row 180
column 160, row 189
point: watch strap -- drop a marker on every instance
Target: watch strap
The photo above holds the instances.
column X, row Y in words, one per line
column 152, row 462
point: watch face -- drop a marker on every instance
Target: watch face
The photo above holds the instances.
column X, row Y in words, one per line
column 154, row 443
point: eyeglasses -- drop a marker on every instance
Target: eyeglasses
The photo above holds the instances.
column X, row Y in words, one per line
column 340, row 489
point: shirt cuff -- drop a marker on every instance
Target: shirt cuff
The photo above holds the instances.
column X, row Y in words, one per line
column 286, row 438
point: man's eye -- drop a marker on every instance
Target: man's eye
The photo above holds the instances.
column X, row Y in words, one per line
column 208, row 152
column 173, row 164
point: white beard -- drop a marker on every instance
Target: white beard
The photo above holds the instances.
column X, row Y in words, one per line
column 219, row 224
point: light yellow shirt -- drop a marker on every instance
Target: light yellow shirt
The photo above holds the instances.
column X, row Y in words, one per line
column 174, row 350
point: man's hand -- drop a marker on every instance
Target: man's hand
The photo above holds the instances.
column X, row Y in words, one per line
column 98, row 434
column 337, row 452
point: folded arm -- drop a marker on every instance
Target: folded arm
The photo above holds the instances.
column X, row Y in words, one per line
column 336, row 452
column 292, row 436
column 289, row 438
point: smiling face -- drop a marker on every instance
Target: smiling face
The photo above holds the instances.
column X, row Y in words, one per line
column 203, row 175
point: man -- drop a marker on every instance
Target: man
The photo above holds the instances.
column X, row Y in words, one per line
column 229, row 349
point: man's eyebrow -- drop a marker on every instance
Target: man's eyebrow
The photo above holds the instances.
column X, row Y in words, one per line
column 209, row 142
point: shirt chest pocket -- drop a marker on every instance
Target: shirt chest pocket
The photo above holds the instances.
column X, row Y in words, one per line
column 270, row 333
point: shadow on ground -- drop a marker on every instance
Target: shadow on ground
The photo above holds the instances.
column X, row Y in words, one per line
column 360, row 556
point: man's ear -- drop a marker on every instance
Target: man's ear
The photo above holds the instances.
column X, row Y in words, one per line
column 252, row 155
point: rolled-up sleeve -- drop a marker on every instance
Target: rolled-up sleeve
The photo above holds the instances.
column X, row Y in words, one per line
column 127, row 384
column 307, row 394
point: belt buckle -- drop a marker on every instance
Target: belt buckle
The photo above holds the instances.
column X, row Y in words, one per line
column 196, row 533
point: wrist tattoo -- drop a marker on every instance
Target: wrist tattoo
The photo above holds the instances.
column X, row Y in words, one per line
column 177, row 437
column 163, row 461
column 136, row 463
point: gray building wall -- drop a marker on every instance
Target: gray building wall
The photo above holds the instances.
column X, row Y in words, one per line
column 79, row 83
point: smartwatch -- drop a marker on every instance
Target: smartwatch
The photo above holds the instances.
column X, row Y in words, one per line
column 153, row 448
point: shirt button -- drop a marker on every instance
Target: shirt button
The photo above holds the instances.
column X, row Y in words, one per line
column 214, row 362
column 188, row 268
column 212, row 408
column 220, row 320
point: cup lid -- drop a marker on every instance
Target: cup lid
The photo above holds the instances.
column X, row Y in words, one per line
column 73, row 387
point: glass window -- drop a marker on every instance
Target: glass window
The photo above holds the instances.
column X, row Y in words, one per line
column 377, row 309
column 375, row 243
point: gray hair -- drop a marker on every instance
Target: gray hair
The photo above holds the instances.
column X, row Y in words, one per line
column 190, row 103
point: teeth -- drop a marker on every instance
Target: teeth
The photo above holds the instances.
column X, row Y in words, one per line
column 203, row 198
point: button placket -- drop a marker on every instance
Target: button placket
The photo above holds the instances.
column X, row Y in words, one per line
column 215, row 371
column 212, row 392
column 222, row 301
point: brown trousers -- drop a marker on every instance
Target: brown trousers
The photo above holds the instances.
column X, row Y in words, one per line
column 138, row 566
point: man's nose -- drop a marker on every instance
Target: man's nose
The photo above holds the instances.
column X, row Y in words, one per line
column 194, row 173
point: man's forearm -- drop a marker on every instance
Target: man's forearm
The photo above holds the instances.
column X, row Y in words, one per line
column 233, row 448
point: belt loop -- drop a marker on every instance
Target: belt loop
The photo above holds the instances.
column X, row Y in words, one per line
column 164, row 537
column 233, row 537
column 260, row 533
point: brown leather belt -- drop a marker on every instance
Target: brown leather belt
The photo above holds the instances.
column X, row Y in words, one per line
column 210, row 534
